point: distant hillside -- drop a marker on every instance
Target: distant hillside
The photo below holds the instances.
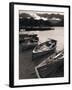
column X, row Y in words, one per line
column 41, row 20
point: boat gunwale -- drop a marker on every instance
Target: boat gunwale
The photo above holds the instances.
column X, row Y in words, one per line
column 34, row 51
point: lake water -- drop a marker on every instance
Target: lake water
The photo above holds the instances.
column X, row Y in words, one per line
column 57, row 34
column 26, row 65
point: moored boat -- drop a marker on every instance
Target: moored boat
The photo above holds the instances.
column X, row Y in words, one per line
column 26, row 35
column 47, row 47
column 53, row 66
column 29, row 41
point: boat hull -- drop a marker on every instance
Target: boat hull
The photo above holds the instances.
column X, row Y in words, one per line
column 54, row 69
column 30, row 46
column 53, row 66
column 49, row 52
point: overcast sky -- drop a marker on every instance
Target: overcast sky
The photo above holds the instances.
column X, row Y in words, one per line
column 35, row 15
column 34, row 12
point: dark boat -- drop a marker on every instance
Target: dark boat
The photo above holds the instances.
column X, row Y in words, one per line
column 26, row 35
column 53, row 66
column 29, row 41
column 47, row 47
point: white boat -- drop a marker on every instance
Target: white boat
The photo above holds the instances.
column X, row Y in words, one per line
column 46, row 47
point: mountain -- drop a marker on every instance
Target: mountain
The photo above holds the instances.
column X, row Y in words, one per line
column 32, row 20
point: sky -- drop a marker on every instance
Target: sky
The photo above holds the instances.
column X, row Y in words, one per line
column 35, row 15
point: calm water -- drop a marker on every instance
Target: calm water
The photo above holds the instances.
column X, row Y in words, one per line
column 57, row 34
column 26, row 65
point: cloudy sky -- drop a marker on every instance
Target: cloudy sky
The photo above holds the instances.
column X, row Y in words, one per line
column 41, row 15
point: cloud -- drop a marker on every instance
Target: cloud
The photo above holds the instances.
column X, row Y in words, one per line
column 41, row 15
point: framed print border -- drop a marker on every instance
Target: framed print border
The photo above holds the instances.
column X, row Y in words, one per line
column 11, row 43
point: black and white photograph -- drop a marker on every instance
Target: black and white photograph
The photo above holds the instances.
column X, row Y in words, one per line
column 39, row 44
